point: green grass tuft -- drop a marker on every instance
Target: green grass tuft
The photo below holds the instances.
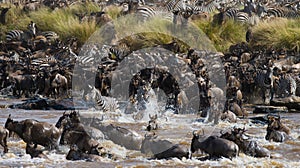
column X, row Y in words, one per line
column 278, row 34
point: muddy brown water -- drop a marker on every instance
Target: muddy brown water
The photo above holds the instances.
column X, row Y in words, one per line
column 175, row 128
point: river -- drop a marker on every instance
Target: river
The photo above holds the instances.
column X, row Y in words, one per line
column 176, row 128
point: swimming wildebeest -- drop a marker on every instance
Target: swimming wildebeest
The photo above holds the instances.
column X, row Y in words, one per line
column 76, row 154
column 33, row 131
column 249, row 147
column 275, row 123
column 276, row 136
column 34, row 152
column 214, row 146
column 276, row 130
column 3, row 138
column 161, row 149
column 74, row 133
column 229, row 116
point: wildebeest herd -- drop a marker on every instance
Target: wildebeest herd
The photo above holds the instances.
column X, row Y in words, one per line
column 38, row 63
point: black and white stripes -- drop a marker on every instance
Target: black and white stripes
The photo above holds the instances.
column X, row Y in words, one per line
column 19, row 35
column 105, row 104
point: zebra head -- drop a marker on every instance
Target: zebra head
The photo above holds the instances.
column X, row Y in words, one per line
column 32, row 28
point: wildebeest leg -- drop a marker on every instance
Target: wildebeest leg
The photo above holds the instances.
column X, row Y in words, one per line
column 4, row 144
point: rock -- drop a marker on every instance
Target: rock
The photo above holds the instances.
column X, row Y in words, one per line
column 292, row 102
column 270, row 109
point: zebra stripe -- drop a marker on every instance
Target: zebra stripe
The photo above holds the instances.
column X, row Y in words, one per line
column 209, row 8
column 285, row 86
column 14, row 35
column 264, row 82
column 106, row 104
column 119, row 52
column 146, row 12
column 19, row 35
column 241, row 17
column 50, row 35
column 283, row 12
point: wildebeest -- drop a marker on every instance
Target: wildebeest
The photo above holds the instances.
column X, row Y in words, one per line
column 228, row 116
column 74, row 133
column 249, row 147
column 23, row 84
column 3, row 138
column 59, row 84
column 34, row 152
column 33, row 131
column 215, row 146
column 76, row 154
column 275, row 123
column 152, row 124
column 162, row 149
column 276, row 136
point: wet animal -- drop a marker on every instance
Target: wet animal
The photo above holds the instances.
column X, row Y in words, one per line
column 3, row 138
column 35, row 132
column 34, row 152
column 161, row 149
column 214, row 146
column 249, row 147
column 152, row 124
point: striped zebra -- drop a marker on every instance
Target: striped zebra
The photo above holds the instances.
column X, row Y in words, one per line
column 119, row 52
column 285, row 86
column 282, row 12
column 50, row 36
column 19, row 35
column 146, row 12
column 106, row 104
column 207, row 8
column 264, row 83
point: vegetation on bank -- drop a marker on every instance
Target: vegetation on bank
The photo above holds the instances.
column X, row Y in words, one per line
column 276, row 34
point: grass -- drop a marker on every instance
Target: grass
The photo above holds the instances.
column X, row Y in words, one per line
column 62, row 21
column 277, row 34
column 225, row 35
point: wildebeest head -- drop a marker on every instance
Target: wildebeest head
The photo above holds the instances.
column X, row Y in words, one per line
column 152, row 124
column 274, row 122
column 196, row 137
column 236, row 135
column 64, row 117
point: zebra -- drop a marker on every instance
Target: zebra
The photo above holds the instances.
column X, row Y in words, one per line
column 23, row 36
column 285, row 86
column 119, row 52
column 106, row 104
column 50, row 36
column 264, row 83
column 282, row 12
column 208, row 8
column 146, row 12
